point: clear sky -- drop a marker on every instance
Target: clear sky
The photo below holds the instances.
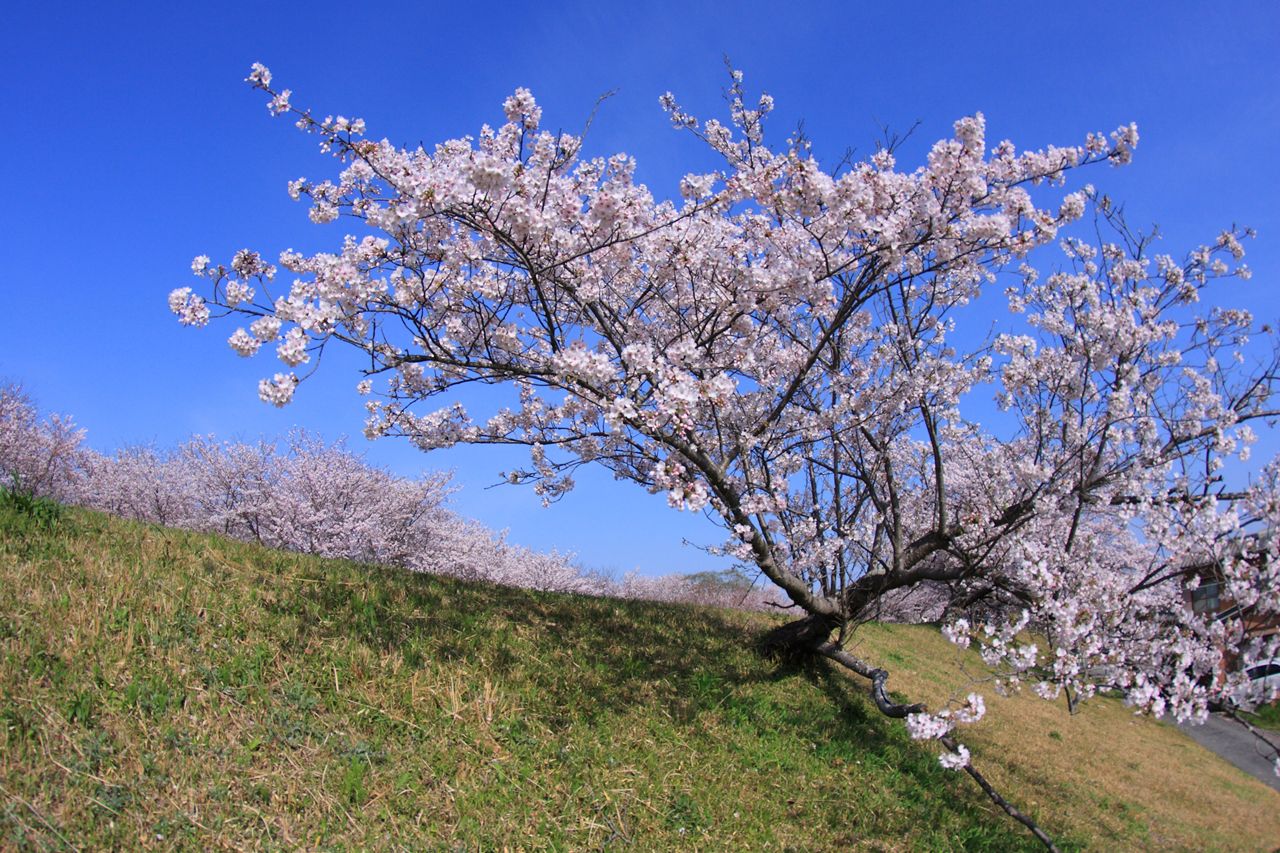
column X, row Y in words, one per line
column 134, row 146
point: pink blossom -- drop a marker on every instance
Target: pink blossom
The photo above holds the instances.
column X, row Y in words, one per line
column 278, row 390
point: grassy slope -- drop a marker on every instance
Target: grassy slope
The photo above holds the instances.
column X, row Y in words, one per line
column 160, row 688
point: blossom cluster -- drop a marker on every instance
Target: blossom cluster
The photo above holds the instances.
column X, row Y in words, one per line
column 926, row 726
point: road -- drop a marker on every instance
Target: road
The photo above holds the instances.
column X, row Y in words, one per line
column 1238, row 745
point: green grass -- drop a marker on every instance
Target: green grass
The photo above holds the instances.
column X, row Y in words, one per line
column 1266, row 717
column 168, row 689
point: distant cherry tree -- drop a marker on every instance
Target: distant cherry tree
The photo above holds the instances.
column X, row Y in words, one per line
column 139, row 482
column 809, row 355
column 37, row 456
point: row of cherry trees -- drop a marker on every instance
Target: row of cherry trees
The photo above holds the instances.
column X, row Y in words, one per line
column 302, row 494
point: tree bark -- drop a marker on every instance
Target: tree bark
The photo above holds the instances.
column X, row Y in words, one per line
column 795, row 641
column 951, row 744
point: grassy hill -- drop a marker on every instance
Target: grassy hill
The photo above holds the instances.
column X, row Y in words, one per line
column 168, row 689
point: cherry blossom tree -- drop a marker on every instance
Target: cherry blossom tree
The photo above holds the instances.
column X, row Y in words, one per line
column 141, row 482
column 808, row 355
column 231, row 484
column 37, row 457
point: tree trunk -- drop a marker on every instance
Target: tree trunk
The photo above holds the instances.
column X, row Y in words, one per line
column 795, row 641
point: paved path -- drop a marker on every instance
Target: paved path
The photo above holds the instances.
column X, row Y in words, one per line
column 1238, row 745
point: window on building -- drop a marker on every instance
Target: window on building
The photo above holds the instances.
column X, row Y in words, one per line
column 1205, row 598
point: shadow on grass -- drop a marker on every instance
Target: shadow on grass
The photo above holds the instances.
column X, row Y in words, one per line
column 602, row 655
column 594, row 659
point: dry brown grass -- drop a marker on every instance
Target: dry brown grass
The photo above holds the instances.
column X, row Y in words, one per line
column 1126, row 778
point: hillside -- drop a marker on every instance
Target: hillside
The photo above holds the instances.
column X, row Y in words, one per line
column 160, row 688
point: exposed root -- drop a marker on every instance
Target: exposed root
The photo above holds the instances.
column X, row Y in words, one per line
column 878, row 678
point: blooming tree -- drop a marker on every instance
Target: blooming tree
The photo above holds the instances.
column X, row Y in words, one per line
column 37, row 457
column 800, row 353
column 138, row 482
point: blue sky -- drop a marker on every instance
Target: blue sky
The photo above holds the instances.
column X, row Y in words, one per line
column 134, row 146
